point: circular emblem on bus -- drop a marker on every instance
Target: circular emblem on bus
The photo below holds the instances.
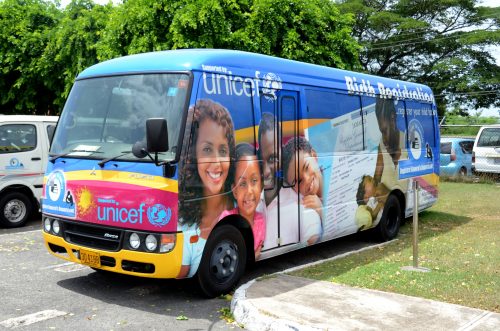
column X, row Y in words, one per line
column 416, row 138
column 55, row 185
column 159, row 215
column 271, row 83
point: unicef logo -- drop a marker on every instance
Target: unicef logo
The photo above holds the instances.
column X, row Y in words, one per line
column 159, row 215
column 271, row 83
column 55, row 185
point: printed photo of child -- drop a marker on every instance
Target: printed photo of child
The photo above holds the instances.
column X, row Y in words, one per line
column 205, row 192
column 371, row 199
column 247, row 189
column 299, row 158
column 310, row 181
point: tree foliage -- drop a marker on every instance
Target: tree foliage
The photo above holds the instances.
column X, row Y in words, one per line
column 137, row 26
column 210, row 23
column 305, row 30
column 72, row 46
column 44, row 47
column 441, row 43
column 25, row 29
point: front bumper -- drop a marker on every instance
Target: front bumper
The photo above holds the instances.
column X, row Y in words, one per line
column 152, row 265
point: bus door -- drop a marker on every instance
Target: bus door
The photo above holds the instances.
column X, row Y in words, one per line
column 289, row 210
column 277, row 125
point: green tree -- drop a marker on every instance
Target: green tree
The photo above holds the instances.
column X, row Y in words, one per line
column 24, row 34
column 441, row 43
column 72, row 46
column 209, row 23
column 305, row 30
column 138, row 26
column 43, row 48
column 312, row 31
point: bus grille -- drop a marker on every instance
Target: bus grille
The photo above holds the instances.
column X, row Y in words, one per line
column 92, row 237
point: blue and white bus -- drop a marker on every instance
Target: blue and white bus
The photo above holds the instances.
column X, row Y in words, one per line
column 194, row 163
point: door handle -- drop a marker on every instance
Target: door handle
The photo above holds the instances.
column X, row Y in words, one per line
column 35, row 159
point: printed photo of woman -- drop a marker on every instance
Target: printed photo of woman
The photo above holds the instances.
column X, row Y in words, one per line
column 205, row 192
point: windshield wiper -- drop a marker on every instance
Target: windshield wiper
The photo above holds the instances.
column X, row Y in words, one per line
column 55, row 157
column 103, row 162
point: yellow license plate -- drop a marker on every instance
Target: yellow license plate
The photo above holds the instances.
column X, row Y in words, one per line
column 90, row 258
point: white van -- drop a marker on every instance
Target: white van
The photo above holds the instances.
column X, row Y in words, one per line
column 486, row 150
column 24, row 149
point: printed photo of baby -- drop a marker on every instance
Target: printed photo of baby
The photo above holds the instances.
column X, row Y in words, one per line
column 371, row 199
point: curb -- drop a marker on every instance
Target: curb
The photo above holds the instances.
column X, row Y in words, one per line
column 246, row 313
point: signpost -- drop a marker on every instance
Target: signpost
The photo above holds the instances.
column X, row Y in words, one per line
column 415, row 266
column 421, row 162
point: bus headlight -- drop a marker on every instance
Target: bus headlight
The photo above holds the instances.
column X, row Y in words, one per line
column 56, row 227
column 134, row 240
column 46, row 224
column 167, row 242
column 151, row 242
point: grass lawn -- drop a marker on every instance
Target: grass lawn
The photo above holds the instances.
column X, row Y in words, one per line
column 459, row 240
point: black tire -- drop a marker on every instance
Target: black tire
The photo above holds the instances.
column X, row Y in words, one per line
column 223, row 262
column 388, row 227
column 15, row 209
column 462, row 172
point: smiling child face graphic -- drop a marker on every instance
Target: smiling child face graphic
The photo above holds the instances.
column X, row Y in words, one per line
column 310, row 179
column 247, row 186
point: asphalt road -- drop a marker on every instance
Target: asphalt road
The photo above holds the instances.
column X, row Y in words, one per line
column 50, row 293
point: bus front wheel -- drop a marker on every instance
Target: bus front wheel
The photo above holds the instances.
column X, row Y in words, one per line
column 391, row 219
column 223, row 262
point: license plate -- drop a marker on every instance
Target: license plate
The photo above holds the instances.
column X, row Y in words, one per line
column 90, row 258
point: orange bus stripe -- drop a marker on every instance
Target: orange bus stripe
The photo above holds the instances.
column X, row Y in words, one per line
column 156, row 182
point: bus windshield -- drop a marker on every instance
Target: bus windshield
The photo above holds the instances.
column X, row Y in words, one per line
column 104, row 117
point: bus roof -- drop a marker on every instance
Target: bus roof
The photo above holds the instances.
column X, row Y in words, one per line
column 239, row 63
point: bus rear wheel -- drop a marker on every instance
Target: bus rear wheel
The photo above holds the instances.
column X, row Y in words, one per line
column 388, row 227
column 223, row 262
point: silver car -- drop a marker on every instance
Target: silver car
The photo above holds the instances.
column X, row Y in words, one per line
column 486, row 150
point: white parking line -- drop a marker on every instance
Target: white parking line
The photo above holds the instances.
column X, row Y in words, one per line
column 13, row 323
column 56, row 266
column 72, row 268
column 66, row 267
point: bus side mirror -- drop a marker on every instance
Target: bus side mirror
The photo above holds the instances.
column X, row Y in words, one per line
column 156, row 135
